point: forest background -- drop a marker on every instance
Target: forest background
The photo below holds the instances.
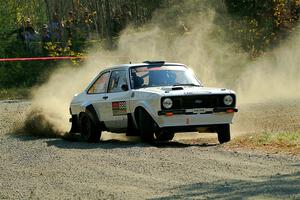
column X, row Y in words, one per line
column 36, row 28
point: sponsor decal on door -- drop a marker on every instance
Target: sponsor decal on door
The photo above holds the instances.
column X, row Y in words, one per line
column 119, row 108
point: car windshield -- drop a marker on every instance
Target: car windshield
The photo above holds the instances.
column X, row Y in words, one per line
column 157, row 76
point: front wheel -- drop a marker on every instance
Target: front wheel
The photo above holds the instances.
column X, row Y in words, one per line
column 89, row 131
column 164, row 135
column 223, row 133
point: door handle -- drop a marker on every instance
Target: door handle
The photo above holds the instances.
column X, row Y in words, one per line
column 105, row 97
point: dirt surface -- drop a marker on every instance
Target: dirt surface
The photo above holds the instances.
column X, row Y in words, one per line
column 190, row 167
column 267, row 117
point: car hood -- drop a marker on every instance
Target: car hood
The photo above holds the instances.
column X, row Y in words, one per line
column 185, row 90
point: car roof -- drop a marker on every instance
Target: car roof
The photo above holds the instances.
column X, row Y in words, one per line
column 146, row 63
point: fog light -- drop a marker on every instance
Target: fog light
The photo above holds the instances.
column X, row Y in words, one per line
column 230, row 111
column 169, row 114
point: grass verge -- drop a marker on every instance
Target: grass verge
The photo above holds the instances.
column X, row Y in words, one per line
column 281, row 142
column 14, row 93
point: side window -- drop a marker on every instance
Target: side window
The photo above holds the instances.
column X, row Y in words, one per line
column 139, row 79
column 117, row 79
column 100, row 84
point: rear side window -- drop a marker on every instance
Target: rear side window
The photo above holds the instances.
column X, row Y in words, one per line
column 100, row 85
column 117, row 79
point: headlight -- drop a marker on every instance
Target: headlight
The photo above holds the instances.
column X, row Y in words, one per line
column 167, row 103
column 228, row 100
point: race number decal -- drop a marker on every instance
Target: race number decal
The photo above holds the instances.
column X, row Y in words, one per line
column 119, row 108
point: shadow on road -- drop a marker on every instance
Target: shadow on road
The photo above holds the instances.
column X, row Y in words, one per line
column 280, row 187
column 75, row 142
column 114, row 144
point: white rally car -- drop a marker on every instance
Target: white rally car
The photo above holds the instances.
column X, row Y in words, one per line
column 152, row 99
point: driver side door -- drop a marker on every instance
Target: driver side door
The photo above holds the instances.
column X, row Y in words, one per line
column 117, row 101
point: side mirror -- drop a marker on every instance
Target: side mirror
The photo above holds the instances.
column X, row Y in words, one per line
column 125, row 87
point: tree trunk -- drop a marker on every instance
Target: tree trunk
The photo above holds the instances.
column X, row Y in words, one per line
column 108, row 24
column 48, row 10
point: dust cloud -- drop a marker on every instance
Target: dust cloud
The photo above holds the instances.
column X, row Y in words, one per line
column 269, row 91
column 189, row 34
column 36, row 124
column 52, row 100
column 275, row 76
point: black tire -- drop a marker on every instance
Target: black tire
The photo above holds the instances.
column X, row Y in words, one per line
column 146, row 126
column 89, row 130
column 223, row 133
column 164, row 135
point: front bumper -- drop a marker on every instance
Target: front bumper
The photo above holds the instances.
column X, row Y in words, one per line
column 190, row 111
column 188, row 118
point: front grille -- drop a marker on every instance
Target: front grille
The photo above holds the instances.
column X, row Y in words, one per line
column 198, row 101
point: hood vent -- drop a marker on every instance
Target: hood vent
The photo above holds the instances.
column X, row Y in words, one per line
column 177, row 88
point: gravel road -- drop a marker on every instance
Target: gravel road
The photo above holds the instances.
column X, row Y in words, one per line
column 53, row 168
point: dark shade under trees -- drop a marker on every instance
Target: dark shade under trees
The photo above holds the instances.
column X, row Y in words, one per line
column 258, row 25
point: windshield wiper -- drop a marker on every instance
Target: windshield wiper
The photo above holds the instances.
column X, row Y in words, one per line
column 186, row 84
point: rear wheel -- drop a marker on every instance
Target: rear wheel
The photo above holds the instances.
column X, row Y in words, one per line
column 89, row 131
column 164, row 135
column 146, row 125
column 223, row 133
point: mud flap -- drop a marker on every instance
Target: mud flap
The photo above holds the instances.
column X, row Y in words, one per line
column 131, row 129
column 74, row 126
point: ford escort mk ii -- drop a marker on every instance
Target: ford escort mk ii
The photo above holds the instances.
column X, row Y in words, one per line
column 153, row 100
